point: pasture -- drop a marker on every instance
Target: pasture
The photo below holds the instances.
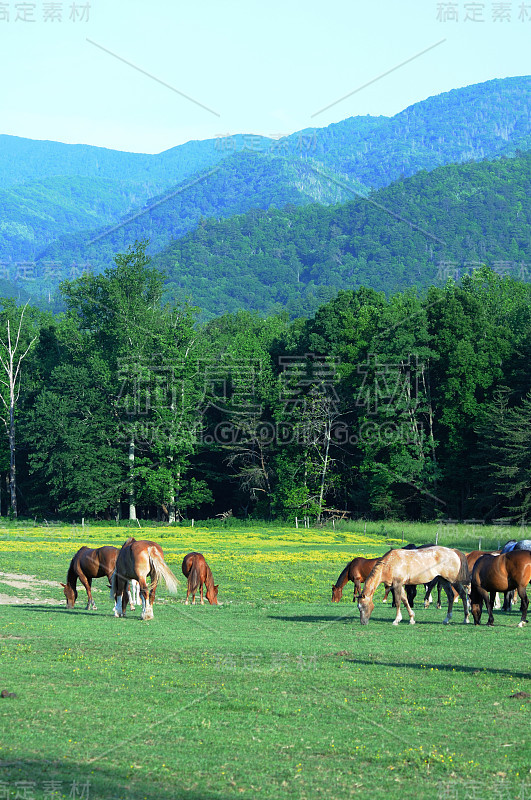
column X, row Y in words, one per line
column 276, row 693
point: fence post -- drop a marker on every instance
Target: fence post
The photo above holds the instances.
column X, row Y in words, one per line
column 296, row 523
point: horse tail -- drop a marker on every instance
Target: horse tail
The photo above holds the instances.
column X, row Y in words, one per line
column 463, row 575
column 162, row 570
column 113, row 586
column 193, row 579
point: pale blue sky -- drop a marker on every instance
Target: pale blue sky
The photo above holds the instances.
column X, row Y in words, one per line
column 262, row 67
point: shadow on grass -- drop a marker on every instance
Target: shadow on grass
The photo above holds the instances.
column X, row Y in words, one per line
column 426, row 666
column 42, row 779
column 68, row 612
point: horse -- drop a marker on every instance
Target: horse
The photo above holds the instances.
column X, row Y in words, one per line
column 88, row 564
column 198, row 572
column 500, row 573
column 410, row 567
column 514, row 544
column 357, row 571
column 137, row 560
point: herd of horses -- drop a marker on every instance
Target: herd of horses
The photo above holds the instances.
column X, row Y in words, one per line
column 401, row 571
column 127, row 570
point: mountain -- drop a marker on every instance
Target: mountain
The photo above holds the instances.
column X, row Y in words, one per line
column 241, row 182
column 481, row 121
column 76, row 205
column 416, row 232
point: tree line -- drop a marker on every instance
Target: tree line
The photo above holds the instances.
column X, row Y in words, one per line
column 412, row 406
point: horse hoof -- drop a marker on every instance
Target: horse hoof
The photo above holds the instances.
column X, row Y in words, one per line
column 411, row 621
column 186, row 603
column 396, row 621
column 446, row 621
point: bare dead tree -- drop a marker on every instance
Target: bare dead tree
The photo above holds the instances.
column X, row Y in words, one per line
column 11, row 358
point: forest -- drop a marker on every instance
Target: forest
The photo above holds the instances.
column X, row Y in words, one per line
column 412, row 405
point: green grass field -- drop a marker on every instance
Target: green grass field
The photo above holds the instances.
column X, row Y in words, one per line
column 277, row 693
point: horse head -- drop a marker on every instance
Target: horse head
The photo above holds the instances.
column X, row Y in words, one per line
column 366, row 607
column 337, row 593
column 70, row 594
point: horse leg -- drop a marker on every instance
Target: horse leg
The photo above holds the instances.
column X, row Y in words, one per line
column 201, row 593
column 119, row 596
column 447, row 586
column 429, row 588
column 86, row 583
column 357, row 589
column 147, row 611
column 497, row 602
column 461, row 591
column 411, row 592
column 522, row 594
column 397, row 593
column 410, row 611
column 489, row 602
column 153, row 589
column 387, row 590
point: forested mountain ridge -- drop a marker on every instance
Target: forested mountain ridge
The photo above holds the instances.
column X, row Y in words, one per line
column 415, row 232
column 241, row 182
column 57, row 190
column 468, row 124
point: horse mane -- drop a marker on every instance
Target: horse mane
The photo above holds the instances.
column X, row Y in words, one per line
column 71, row 578
column 209, row 579
column 374, row 579
column 129, row 541
column 342, row 580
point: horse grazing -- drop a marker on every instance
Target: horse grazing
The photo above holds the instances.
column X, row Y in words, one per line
column 357, row 571
column 410, row 567
column 135, row 561
column 88, row 564
column 198, row 572
column 500, row 573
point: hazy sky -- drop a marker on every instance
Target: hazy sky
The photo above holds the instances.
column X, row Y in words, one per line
column 245, row 67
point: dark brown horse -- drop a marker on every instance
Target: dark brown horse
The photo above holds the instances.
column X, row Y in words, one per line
column 500, row 573
column 411, row 567
column 198, row 572
column 137, row 560
column 357, row 571
column 88, row 564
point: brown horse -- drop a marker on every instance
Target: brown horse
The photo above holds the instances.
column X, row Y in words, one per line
column 137, row 560
column 88, row 564
column 357, row 571
column 411, row 567
column 198, row 572
column 500, row 573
